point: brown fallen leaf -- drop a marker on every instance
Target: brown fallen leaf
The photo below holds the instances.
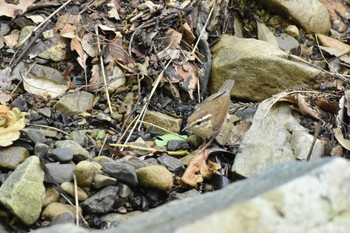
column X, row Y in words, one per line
column 198, row 169
column 340, row 138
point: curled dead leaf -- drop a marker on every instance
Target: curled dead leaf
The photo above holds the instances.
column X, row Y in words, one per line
column 198, row 169
column 340, row 138
column 11, row 122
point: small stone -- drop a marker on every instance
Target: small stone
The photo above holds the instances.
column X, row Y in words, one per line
column 68, row 187
column 74, row 103
column 102, row 201
column 124, row 190
column 85, row 172
column 292, row 30
column 11, row 157
column 46, row 112
column 51, row 196
column 179, row 196
column 62, row 155
column 174, row 145
column 124, row 173
column 103, row 180
column 155, row 176
column 41, row 149
column 58, row 173
column 55, row 209
column 34, row 134
column 170, row 162
column 165, row 121
column 79, row 137
column 79, row 153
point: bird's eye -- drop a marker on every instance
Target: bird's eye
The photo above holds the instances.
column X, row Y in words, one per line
column 198, row 122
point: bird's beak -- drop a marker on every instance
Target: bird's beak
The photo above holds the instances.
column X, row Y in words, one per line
column 186, row 128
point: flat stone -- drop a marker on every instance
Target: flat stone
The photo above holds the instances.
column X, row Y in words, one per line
column 51, row 196
column 124, row 173
column 62, row 155
column 170, row 162
column 34, row 134
column 74, row 103
column 102, row 201
column 41, row 149
column 259, row 69
column 275, row 136
column 23, row 191
column 79, row 153
column 11, row 157
column 58, row 173
column 165, row 121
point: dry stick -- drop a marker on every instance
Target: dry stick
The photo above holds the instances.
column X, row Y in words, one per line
column 76, row 200
column 103, row 144
column 103, row 70
column 140, row 117
column 50, row 127
column 152, row 150
column 316, row 133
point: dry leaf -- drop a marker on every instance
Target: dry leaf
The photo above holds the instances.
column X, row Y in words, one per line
column 198, row 169
column 11, row 122
column 305, row 109
column 12, row 10
column 340, row 138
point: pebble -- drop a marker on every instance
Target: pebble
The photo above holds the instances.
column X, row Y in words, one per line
column 11, row 157
column 62, row 155
column 175, row 145
column 102, row 201
column 124, row 190
column 34, row 134
column 103, row 180
column 63, row 218
column 79, row 153
column 155, row 176
column 55, row 209
column 58, row 173
column 41, row 149
column 51, row 196
column 85, row 172
column 68, row 187
column 170, row 162
column 125, row 173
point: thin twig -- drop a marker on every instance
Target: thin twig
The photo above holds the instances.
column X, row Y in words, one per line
column 76, row 199
column 52, row 128
column 103, row 70
column 316, row 133
column 152, row 150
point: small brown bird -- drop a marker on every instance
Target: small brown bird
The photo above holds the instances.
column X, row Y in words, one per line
column 209, row 116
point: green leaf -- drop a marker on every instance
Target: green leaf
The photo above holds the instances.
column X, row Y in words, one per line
column 161, row 141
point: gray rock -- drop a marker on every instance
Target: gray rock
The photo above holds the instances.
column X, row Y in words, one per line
column 102, row 201
column 114, row 219
column 287, row 42
column 170, row 162
column 62, row 155
column 124, row 173
column 311, row 15
column 79, row 136
column 23, row 191
column 11, row 157
column 46, row 112
column 41, row 149
column 259, row 69
column 74, row 103
column 34, row 134
column 79, row 153
column 124, row 190
column 58, row 173
column 275, row 136
column 155, row 176
column 179, row 196
column 290, row 197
